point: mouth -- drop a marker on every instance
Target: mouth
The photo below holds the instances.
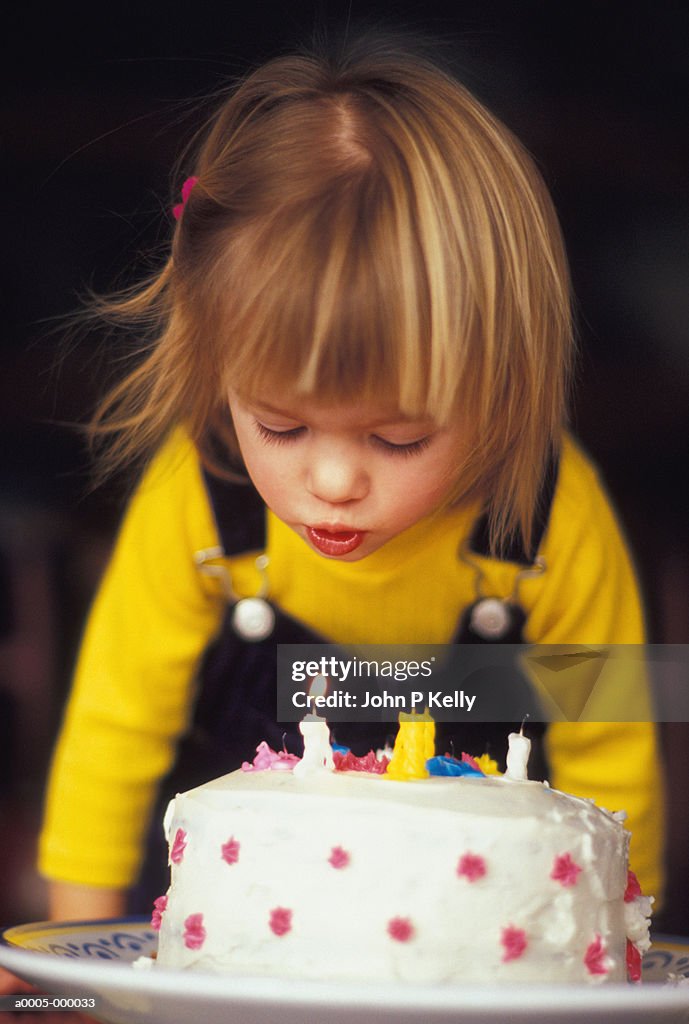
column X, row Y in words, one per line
column 334, row 542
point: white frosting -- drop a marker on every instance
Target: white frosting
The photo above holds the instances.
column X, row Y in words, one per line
column 401, row 843
column 143, row 963
column 637, row 915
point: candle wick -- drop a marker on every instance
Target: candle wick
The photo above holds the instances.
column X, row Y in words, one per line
column 521, row 731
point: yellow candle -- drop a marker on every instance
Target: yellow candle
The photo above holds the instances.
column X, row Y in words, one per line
column 414, row 745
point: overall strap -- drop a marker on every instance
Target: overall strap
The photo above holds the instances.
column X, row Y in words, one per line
column 240, row 514
column 515, row 551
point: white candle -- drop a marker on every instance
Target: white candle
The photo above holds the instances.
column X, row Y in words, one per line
column 318, row 753
column 519, row 748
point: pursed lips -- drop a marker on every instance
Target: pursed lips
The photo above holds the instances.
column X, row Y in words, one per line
column 334, row 540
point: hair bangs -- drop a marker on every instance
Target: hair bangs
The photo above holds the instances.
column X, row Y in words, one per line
column 333, row 296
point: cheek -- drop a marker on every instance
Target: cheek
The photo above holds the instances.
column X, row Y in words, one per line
column 413, row 492
column 270, row 471
column 428, row 481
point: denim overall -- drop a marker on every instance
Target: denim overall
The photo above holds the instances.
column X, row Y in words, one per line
column 236, row 696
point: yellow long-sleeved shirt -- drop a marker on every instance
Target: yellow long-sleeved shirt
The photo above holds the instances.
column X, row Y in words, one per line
column 155, row 614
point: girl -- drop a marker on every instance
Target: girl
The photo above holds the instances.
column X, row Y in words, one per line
column 354, row 388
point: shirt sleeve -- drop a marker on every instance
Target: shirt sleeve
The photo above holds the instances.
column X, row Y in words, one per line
column 589, row 595
column 152, row 618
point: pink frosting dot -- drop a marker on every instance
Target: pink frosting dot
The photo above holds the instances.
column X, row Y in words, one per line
column 280, row 921
column 565, row 870
column 596, row 957
column 159, row 907
column 514, row 942
column 339, row 858
column 194, row 932
column 633, row 959
column 400, row 929
column 230, row 851
column 471, row 866
column 633, row 888
column 179, row 845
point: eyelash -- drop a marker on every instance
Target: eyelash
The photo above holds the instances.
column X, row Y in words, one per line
column 388, row 447
column 277, row 436
column 413, row 448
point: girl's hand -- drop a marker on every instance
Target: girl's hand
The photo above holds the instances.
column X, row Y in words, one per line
column 11, row 985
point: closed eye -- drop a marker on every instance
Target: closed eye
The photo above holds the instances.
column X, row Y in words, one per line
column 277, row 436
column 271, row 436
column 410, row 448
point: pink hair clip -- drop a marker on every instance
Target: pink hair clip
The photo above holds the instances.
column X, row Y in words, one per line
column 186, row 192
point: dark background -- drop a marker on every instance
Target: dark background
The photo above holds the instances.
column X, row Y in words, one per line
column 97, row 104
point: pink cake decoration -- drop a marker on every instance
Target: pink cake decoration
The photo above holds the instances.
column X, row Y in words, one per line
column 636, row 945
column 565, row 870
column 596, row 957
column 267, row 759
column 230, row 851
column 339, row 858
column 633, row 888
column 194, row 932
column 280, row 921
column 471, row 761
column 471, row 866
column 400, row 929
column 346, row 761
column 159, row 907
column 633, row 959
column 514, row 942
column 178, row 846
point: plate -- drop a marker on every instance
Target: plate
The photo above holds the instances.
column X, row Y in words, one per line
column 93, row 960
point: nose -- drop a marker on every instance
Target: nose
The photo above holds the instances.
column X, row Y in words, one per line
column 337, row 475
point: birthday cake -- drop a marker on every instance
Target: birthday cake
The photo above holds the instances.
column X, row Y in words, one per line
column 354, row 875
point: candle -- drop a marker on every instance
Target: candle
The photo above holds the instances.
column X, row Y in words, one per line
column 414, row 745
column 519, row 748
column 318, row 753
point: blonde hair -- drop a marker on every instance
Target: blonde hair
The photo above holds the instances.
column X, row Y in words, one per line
column 361, row 225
